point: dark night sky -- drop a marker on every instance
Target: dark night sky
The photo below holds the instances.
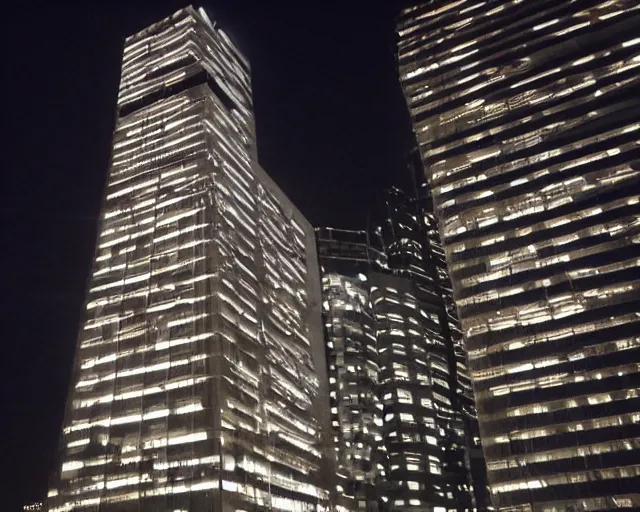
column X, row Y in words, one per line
column 332, row 130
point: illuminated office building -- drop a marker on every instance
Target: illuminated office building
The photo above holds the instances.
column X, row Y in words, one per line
column 427, row 238
column 527, row 115
column 346, row 262
column 424, row 386
column 402, row 403
column 199, row 382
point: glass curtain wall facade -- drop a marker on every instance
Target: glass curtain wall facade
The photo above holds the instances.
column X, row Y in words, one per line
column 346, row 263
column 426, row 391
column 402, row 402
column 199, row 380
column 527, row 119
column 435, row 262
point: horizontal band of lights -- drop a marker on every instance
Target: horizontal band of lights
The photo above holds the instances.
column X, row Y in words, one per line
column 526, row 116
column 195, row 378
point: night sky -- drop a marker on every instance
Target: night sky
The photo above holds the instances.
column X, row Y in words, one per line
column 332, row 130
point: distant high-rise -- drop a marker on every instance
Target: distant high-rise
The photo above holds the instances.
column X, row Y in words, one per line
column 425, row 388
column 527, row 117
column 199, row 382
column 346, row 262
column 402, row 404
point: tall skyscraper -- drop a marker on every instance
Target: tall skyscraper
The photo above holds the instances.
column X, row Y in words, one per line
column 199, row 380
column 402, row 405
column 527, row 119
